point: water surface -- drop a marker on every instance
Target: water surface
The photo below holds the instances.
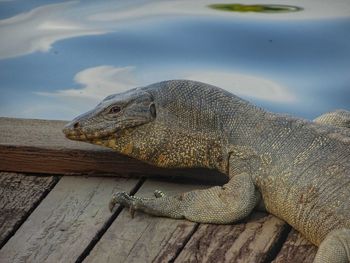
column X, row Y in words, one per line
column 59, row 59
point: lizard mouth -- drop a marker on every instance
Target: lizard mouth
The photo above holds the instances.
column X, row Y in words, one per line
column 79, row 135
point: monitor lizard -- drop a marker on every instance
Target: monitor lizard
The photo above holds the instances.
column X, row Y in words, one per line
column 295, row 169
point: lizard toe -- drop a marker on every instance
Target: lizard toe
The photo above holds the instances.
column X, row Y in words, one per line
column 122, row 198
column 159, row 193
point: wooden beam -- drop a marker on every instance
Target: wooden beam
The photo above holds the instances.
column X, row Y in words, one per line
column 20, row 194
column 252, row 240
column 65, row 222
column 296, row 249
column 145, row 238
column 39, row 146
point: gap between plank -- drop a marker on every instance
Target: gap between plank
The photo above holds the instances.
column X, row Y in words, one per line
column 31, row 209
column 178, row 251
column 107, row 224
column 276, row 248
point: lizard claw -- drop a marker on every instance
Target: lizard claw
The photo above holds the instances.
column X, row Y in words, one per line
column 120, row 198
column 158, row 193
column 132, row 211
column 111, row 204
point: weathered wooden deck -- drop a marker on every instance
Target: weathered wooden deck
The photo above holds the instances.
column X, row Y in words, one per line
column 53, row 208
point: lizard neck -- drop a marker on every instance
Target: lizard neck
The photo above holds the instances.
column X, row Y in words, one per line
column 247, row 126
column 168, row 147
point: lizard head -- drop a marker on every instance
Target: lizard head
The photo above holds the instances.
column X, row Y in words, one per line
column 165, row 124
column 114, row 117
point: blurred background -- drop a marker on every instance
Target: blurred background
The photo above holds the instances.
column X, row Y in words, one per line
column 60, row 58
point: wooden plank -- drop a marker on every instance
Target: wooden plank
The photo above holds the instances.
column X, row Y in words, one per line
column 20, row 194
column 145, row 238
column 252, row 240
column 39, row 146
column 65, row 222
column 296, row 249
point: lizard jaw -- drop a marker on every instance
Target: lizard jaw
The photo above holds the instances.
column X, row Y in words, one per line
column 77, row 134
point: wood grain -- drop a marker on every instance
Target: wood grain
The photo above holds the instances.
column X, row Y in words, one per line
column 19, row 195
column 296, row 249
column 145, row 238
column 249, row 241
column 65, row 222
column 39, row 146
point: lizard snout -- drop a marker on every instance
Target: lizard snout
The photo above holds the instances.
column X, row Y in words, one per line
column 73, row 130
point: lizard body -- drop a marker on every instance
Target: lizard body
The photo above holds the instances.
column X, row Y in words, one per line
column 339, row 118
column 299, row 170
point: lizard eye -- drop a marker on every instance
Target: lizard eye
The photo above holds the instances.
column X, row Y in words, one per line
column 114, row 109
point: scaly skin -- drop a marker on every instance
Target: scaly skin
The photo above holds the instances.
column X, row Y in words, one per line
column 298, row 170
column 339, row 118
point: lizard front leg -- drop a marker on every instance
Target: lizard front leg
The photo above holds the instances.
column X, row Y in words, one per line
column 335, row 248
column 220, row 204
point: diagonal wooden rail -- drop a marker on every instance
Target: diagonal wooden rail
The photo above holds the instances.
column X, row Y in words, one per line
column 39, row 146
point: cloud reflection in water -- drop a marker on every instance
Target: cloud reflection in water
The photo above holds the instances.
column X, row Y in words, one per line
column 285, row 62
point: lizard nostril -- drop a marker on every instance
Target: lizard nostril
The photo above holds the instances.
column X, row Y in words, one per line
column 76, row 125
